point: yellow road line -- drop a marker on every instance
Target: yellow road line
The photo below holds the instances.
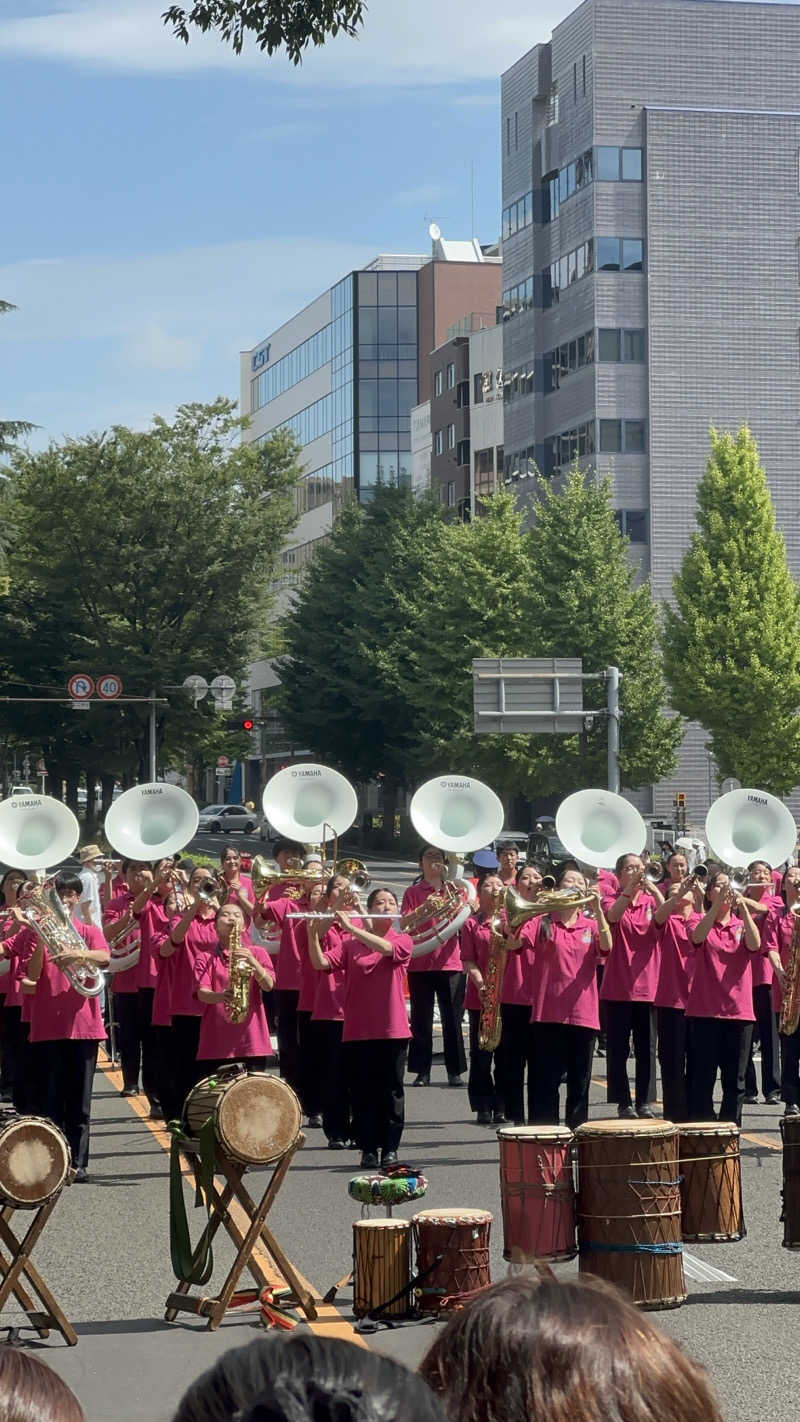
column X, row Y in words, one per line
column 329, row 1321
column 761, row 1140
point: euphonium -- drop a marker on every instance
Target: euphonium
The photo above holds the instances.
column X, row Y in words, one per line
column 353, row 869
column 241, row 975
column 790, row 1008
column 264, row 876
column 51, row 922
column 519, row 910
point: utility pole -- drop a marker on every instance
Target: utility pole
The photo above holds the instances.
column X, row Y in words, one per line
column 612, row 681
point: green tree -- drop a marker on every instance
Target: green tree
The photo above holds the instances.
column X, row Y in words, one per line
column 272, row 24
column 151, row 553
column 731, row 645
column 10, row 430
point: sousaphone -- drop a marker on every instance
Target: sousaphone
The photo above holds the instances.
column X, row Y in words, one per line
column 147, row 823
column 597, row 826
column 457, row 814
column 750, row 824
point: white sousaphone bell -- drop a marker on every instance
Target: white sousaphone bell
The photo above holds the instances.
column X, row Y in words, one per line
column 457, row 814
column 147, row 823
column 597, row 826
column 750, row 824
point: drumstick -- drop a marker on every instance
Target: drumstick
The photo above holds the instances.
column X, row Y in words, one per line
column 375, row 1313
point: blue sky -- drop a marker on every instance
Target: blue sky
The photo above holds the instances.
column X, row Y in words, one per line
column 165, row 208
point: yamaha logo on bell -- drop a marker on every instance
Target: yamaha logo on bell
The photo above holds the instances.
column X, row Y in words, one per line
column 305, row 774
column 757, row 799
column 156, row 791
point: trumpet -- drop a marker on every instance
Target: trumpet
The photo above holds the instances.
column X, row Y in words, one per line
column 218, row 890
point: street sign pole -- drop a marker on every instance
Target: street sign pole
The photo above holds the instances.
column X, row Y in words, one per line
column 612, row 682
column 151, row 768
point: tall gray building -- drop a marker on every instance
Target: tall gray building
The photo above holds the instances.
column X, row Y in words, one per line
column 651, row 222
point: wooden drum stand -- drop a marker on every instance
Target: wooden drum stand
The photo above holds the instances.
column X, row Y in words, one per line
column 34, row 1167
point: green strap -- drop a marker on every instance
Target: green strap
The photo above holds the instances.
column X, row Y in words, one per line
column 192, row 1266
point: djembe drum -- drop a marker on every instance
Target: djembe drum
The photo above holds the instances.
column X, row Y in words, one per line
column 381, row 1267
column 257, row 1117
column 790, row 1214
column 452, row 1256
column 537, row 1193
column 711, row 1182
column 34, row 1161
column 629, row 1209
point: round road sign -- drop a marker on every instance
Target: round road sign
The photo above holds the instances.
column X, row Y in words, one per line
column 109, row 686
column 80, row 686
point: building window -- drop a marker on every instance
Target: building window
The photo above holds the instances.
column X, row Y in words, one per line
column 451, row 436
column 575, row 81
column 631, row 165
column 632, row 254
column 584, row 76
column 508, row 134
column 608, row 254
column 622, row 436
column 516, row 130
column 606, row 162
column 477, row 387
column 632, row 523
column 438, row 442
column 451, row 375
column 610, row 441
column 633, row 345
column 634, row 436
column 608, row 345
column 437, row 382
column 625, row 345
column 451, row 493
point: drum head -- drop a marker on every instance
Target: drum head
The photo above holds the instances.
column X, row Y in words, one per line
column 626, row 1128
column 534, row 1133
column 708, row 1128
column 258, row 1119
column 370, row 1225
column 453, row 1216
column 34, row 1161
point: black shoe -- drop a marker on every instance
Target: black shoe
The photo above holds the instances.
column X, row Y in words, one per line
column 499, row 1119
column 483, row 1118
column 421, row 1080
column 156, row 1112
column 81, row 1176
column 388, row 1157
column 315, row 1123
column 455, row 1080
column 645, row 1113
column 774, row 1098
column 369, row 1161
column 792, row 1109
column 336, row 1144
column 129, row 1091
column 751, row 1099
column 626, row 1113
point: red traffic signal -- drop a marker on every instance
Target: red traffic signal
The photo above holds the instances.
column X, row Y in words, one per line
column 248, row 724
column 241, row 723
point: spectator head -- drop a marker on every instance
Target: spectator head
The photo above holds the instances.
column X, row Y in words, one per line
column 545, row 1350
column 301, row 1377
column 32, row 1392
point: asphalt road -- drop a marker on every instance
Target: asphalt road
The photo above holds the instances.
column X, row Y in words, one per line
column 105, row 1254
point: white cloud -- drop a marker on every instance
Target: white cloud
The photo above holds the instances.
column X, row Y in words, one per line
column 409, row 43
column 153, row 348
column 420, row 196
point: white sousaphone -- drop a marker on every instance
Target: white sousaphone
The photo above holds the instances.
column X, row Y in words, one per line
column 305, row 802
column 36, row 832
column 147, row 823
column 457, row 814
column 597, row 826
column 750, row 824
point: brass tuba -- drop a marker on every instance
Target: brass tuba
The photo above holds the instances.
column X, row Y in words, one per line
column 51, row 923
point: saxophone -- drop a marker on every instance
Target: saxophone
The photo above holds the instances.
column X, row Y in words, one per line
column 790, row 1008
column 241, row 976
column 491, row 1026
column 51, row 923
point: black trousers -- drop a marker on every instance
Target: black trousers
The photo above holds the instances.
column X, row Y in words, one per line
column 558, row 1048
column 286, row 1000
column 375, row 1072
column 790, row 1068
column 327, row 1056
column 717, row 1044
column 767, row 1024
column 484, row 1085
column 63, row 1073
column 149, row 1038
column 516, row 1019
column 446, row 988
column 624, row 1019
column 125, row 1006
column 310, row 1081
column 185, row 1069
column 672, row 1048
column 168, row 1087
column 17, row 1055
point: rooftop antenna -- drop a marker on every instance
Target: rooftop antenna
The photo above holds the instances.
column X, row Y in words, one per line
column 472, row 196
column 434, row 232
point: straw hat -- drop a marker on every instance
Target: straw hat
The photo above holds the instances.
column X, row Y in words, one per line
column 89, row 852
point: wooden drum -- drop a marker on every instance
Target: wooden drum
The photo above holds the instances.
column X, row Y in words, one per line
column 461, row 1238
column 711, row 1182
column 34, row 1161
column 790, row 1214
column 257, row 1118
column 629, row 1209
column 537, row 1193
column 381, row 1266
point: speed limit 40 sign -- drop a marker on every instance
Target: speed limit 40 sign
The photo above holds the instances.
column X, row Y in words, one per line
column 109, row 686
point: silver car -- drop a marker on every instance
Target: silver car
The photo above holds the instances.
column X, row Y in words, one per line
column 220, row 819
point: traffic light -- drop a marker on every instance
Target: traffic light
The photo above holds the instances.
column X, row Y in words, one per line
column 241, row 723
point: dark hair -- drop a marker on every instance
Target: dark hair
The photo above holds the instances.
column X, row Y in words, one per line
column 68, row 882
column 486, row 874
column 562, row 1350
column 282, row 845
column 188, row 866
column 301, row 1376
column 7, row 875
column 522, row 869
column 629, row 855
column 381, row 889
column 711, row 881
column 675, row 854
column 568, row 866
column 754, row 863
column 31, row 1392
column 229, row 849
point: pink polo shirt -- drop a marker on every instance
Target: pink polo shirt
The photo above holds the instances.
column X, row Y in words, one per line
column 631, row 968
column 722, row 982
column 475, row 939
column 677, row 961
column 201, row 937
column 762, row 967
column 153, row 926
column 777, row 935
column 127, row 981
column 246, row 888
column 607, row 884
column 219, row 1037
column 447, row 958
column 58, row 1012
column 288, row 961
column 564, row 978
column 329, row 996
column 374, row 997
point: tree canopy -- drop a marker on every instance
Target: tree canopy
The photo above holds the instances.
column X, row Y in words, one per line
column 11, row 430
column 272, row 24
column 731, row 644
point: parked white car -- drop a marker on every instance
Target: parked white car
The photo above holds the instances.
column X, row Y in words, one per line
column 220, row 819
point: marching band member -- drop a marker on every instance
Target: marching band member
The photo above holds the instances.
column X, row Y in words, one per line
column 675, row 917
column 150, row 913
column 436, row 976
column 119, row 924
column 515, row 1008
column 719, row 1009
column 282, row 898
column 485, row 1084
column 778, row 938
column 566, row 946
column 65, row 1030
column 676, row 869
column 191, row 932
column 327, row 1023
column 239, row 886
column 310, row 1080
column 508, row 855
column 630, row 978
column 222, row 1039
column 374, row 957
column 11, row 1040
column 760, row 890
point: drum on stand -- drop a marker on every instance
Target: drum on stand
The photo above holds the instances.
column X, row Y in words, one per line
column 537, row 1193
column 381, row 1266
column 790, row 1214
column 257, row 1117
column 629, row 1209
column 461, row 1238
column 34, row 1161
column 711, row 1182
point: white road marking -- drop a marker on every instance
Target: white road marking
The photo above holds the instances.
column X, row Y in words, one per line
column 703, row 1273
